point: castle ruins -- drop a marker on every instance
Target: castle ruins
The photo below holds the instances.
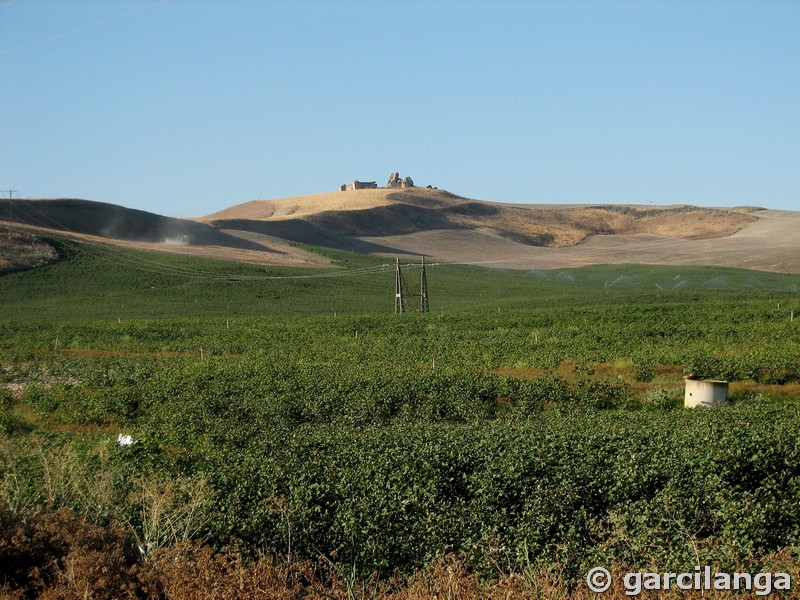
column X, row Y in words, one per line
column 394, row 182
column 358, row 185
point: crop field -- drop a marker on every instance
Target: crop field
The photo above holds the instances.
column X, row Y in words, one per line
column 529, row 428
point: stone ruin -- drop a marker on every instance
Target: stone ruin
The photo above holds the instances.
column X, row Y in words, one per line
column 359, row 185
column 396, row 182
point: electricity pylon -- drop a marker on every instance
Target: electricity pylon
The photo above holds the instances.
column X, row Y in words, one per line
column 399, row 284
column 401, row 291
column 423, row 289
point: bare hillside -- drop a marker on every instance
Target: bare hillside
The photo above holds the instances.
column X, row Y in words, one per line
column 769, row 242
column 450, row 228
column 103, row 223
column 303, row 206
column 340, row 218
column 440, row 225
column 20, row 251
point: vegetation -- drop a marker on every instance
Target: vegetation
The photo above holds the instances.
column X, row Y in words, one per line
column 529, row 424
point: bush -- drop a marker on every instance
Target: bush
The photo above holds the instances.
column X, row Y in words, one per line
column 601, row 394
column 662, row 399
column 9, row 422
column 6, row 399
column 66, row 556
column 644, row 371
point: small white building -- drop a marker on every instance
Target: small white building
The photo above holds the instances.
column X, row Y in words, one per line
column 704, row 392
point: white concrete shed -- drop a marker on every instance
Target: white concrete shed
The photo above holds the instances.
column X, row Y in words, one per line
column 704, row 392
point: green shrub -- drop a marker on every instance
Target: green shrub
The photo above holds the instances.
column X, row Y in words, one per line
column 602, row 394
column 662, row 399
column 643, row 372
column 9, row 421
column 6, row 399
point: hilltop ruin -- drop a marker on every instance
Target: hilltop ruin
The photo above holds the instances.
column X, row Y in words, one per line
column 394, row 182
column 358, row 185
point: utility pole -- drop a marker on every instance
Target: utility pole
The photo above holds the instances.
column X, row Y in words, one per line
column 423, row 289
column 10, row 219
column 398, row 289
column 10, row 197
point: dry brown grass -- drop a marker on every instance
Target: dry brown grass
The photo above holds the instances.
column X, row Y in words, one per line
column 448, row 228
column 540, row 224
column 59, row 555
column 559, row 227
column 302, row 206
column 20, row 250
column 768, row 244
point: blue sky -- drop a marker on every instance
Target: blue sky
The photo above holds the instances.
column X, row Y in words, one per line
column 184, row 107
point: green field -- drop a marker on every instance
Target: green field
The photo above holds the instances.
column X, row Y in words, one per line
column 532, row 419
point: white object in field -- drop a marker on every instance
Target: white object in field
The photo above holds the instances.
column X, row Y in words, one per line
column 704, row 392
column 125, row 440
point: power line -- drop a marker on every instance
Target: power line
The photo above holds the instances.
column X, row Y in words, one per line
column 9, row 4
column 10, row 215
column 80, row 29
column 119, row 257
column 106, row 251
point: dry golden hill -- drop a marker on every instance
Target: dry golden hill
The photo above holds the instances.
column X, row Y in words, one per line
column 346, row 216
column 297, row 207
column 450, row 228
column 442, row 226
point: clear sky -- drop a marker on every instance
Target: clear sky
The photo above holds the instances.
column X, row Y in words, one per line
column 184, row 107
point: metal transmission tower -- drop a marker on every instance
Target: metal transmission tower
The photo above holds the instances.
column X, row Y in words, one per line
column 423, row 289
column 401, row 292
column 399, row 284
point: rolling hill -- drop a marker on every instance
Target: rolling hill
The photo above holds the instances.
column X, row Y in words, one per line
column 450, row 228
column 104, row 223
column 439, row 225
